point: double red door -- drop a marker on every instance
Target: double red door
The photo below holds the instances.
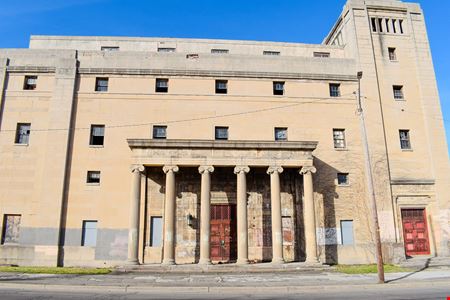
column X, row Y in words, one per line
column 415, row 232
column 223, row 233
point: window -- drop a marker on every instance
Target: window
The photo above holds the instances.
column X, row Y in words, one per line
column 387, row 25
column 380, row 25
column 335, row 90
column 392, row 54
column 30, row 83
column 322, row 54
column 221, row 86
column 394, row 26
column 374, row 24
column 93, row 177
column 221, row 133
column 220, row 51
column 339, row 138
column 162, row 85
column 278, row 88
column 23, row 133
column 400, row 23
column 89, row 234
column 273, row 53
column 347, row 232
column 97, row 135
column 398, row 92
column 101, row 84
column 109, row 48
column 11, row 229
column 281, row 134
column 156, row 230
column 167, row 50
column 159, row 132
column 405, row 141
column 342, row 179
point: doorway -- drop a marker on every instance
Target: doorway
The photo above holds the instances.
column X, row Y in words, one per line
column 415, row 232
column 223, row 233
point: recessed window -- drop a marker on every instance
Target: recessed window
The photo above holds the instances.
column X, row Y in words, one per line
column 272, row 53
column 221, row 133
column 387, row 25
column 220, row 51
column 221, row 86
column 162, row 85
column 159, row 132
column 89, row 234
column 23, row 133
column 109, row 48
column 347, row 232
column 156, row 230
column 281, row 134
column 11, row 229
column 101, row 84
column 30, row 83
column 398, row 92
column 405, row 140
column 97, row 137
column 342, row 179
column 93, row 177
column 374, row 24
column 400, row 23
column 166, row 49
column 339, row 138
column 322, row 54
column 380, row 25
column 335, row 90
column 278, row 88
column 392, row 54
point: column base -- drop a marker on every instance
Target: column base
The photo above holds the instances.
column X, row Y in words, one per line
column 168, row 262
column 313, row 261
column 204, row 262
column 132, row 262
column 242, row 262
column 277, row 261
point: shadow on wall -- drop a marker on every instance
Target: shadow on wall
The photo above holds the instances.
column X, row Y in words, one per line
column 324, row 184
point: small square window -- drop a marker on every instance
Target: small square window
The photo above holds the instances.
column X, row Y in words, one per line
column 281, row 134
column 278, row 88
column 30, row 83
column 11, row 229
column 89, row 234
column 97, row 137
column 221, row 133
column 339, row 138
column 220, row 51
column 166, row 49
column 159, row 132
column 23, row 133
column 398, row 92
column 405, row 140
column 392, row 54
column 342, row 179
column 93, row 177
column 271, row 53
column 101, row 84
column 221, row 86
column 322, row 54
column 335, row 90
column 162, row 85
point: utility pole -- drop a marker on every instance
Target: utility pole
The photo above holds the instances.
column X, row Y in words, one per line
column 370, row 188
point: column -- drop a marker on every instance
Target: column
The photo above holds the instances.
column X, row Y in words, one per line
column 309, row 214
column 133, row 231
column 242, row 225
column 205, row 214
column 169, row 216
column 277, row 234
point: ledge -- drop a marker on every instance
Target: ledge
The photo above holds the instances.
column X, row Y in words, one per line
column 213, row 144
column 412, row 181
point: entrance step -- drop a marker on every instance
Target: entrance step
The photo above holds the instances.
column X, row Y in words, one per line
column 424, row 262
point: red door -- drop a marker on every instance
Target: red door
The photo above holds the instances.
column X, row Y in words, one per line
column 415, row 232
column 223, row 233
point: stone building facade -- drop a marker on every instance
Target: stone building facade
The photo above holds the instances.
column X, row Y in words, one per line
column 153, row 150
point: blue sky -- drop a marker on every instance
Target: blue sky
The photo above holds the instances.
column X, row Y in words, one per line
column 272, row 20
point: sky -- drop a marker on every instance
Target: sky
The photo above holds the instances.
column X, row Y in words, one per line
column 268, row 20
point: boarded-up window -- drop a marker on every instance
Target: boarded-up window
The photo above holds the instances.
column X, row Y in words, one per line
column 347, row 232
column 89, row 234
column 288, row 230
column 11, row 229
column 156, row 231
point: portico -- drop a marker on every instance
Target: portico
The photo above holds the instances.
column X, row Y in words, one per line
column 171, row 156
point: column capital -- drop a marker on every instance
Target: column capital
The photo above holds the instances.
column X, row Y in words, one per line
column 306, row 170
column 137, row 168
column 241, row 169
column 205, row 169
column 170, row 168
column 275, row 169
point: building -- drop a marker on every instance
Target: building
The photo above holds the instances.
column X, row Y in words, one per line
column 154, row 150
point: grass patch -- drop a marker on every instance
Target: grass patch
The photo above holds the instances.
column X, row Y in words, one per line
column 56, row 270
column 368, row 269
